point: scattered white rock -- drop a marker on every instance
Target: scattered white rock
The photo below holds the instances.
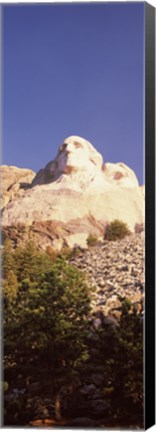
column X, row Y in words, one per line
column 108, row 280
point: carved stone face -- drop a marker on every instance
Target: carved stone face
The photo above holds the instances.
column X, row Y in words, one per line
column 121, row 173
column 77, row 154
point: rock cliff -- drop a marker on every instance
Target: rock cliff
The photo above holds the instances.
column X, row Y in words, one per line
column 74, row 195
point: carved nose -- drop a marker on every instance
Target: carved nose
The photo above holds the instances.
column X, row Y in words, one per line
column 67, row 151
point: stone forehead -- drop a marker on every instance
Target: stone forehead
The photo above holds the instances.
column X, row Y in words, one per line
column 74, row 139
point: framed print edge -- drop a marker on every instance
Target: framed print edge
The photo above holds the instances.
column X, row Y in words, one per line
column 150, row 216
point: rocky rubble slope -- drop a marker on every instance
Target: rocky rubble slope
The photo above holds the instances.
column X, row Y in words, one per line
column 115, row 270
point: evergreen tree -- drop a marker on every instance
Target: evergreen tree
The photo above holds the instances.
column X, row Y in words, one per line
column 47, row 324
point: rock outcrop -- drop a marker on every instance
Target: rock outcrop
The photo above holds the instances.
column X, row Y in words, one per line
column 14, row 182
column 74, row 195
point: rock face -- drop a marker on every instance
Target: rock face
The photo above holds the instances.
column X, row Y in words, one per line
column 78, row 194
column 14, row 182
column 80, row 167
column 76, row 164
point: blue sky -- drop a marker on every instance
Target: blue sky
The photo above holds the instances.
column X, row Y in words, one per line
column 73, row 69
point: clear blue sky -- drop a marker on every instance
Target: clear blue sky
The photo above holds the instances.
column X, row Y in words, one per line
column 74, row 69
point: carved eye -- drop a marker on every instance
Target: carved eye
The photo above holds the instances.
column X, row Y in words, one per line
column 77, row 144
column 118, row 175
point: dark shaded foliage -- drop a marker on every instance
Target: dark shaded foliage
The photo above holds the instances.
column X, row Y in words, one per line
column 116, row 230
column 51, row 348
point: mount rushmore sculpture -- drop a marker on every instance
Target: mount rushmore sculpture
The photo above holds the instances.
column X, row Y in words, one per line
column 74, row 195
